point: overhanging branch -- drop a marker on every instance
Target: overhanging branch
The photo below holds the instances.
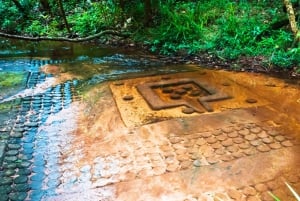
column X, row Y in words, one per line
column 41, row 38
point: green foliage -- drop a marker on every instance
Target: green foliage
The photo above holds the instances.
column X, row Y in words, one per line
column 274, row 196
column 228, row 29
column 96, row 17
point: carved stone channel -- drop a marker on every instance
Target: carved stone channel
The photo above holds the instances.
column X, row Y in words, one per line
column 191, row 93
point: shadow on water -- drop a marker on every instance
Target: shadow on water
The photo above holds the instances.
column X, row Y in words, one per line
column 88, row 62
column 34, row 126
column 24, row 108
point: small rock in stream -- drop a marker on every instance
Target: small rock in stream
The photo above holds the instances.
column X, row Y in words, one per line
column 251, row 100
column 128, row 98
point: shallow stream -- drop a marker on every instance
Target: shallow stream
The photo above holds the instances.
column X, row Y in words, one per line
column 29, row 96
column 38, row 81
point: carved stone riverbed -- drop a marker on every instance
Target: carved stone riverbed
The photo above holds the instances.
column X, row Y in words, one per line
column 127, row 127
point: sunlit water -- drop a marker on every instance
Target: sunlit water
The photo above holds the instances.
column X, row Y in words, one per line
column 34, row 109
column 38, row 114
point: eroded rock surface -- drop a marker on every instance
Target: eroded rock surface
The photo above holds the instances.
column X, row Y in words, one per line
column 97, row 146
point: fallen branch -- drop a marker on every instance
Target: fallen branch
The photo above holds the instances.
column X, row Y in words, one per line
column 41, row 38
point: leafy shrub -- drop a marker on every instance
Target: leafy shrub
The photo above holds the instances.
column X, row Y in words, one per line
column 98, row 16
column 228, row 29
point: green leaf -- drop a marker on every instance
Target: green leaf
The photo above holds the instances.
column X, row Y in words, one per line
column 274, row 197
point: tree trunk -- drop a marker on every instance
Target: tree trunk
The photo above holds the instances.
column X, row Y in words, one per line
column 63, row 15
column 147, row 12
column 292, row 19
column 122, row 4
column 19, row 6
column 88, row 38
column 45, row 6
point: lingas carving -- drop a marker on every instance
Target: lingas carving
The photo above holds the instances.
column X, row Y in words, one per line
column 190, row 93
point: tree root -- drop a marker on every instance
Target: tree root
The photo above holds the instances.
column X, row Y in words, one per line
column 41, row 38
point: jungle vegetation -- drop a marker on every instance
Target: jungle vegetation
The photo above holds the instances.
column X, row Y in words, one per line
column 227, row 29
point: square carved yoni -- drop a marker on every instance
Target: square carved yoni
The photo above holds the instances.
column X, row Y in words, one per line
column 191, row 93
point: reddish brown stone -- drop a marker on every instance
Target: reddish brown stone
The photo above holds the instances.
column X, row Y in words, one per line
column 217, row 132
column 228, row 129
column 255, row 143
column 250, row 125
column 128, row 176
column 211, row 140
column 233, row 148
column 200, row 142
column 253, row 198
column 195, row 156
column 172, row 167
column 183, row 157
column 239, row 127
column 128, row 98
column 216, row 145
column 249, row 152
column 244, row 132
column 227, row 142
column 217, row 197
column 195, row 93
column 279, row 138
column 255, row 130
column 233, row 134
column 238, row 140
column 175, row 140
column 292, row 178
column 185, row 164
column 265, row 196
column 212, row 160
column 165, row 77
column 263, row 148
column 262, row 134
column 249, row 191
column 206, row 134
column 188, row 110
column 273, row 133
column 235, row 194
column 273, row 185
column 268, row 140
column 261, row 187
column 226, row 84
column 208, row 152
column 189, row 143
column 221, row 137
column 187, row 87
column 180, row 91
column 275, row 145
column 289, row 137
column 195, row 136
column 220, row 151
column 251, row 100
column 119, row 83
column 166, row 148
column 175, row 96
column 226, row 158
column 158, row 170
column 167, row 90
column 250, row 137
column 245, row 145
column 180, row 151
column 238, row 154
column 287, row 143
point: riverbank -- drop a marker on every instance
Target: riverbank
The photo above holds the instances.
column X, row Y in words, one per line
column 242, row 64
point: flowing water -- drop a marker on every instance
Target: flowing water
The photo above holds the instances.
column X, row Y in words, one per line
column 60, row 131
column 27, row 102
